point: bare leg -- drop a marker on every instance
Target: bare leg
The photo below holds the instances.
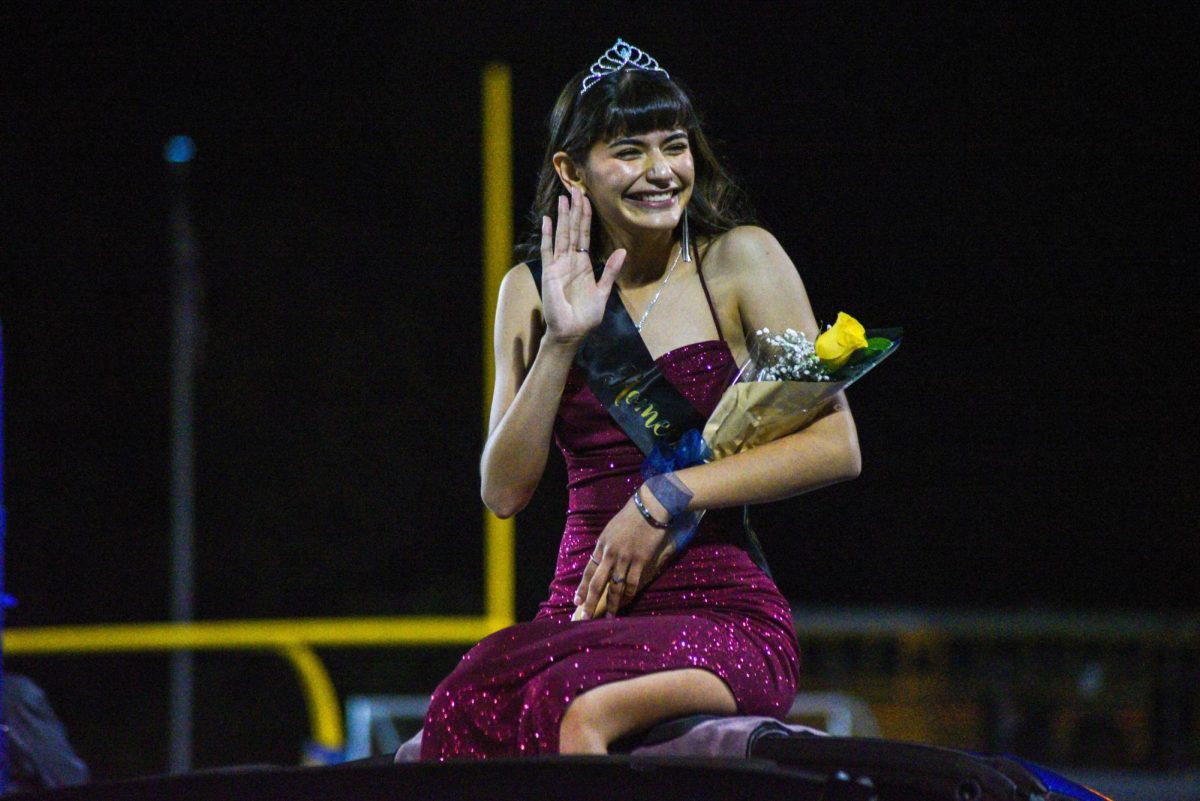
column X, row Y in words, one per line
column 610, row 711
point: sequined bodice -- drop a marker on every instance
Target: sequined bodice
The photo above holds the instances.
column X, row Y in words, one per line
column 601, row 460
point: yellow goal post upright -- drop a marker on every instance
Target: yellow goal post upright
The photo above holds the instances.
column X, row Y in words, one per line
column 499, row 549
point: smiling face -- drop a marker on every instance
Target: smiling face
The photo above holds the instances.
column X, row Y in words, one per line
column 640, row 183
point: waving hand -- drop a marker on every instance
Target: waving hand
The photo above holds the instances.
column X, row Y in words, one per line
column 572, row 299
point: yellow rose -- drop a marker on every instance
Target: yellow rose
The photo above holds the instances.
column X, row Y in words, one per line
column 838, row 343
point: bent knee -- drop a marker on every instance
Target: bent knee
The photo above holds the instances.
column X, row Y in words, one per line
column 582, row 730
column 583, row 711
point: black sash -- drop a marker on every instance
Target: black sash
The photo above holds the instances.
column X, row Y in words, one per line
column 623, row 377
column 647, row 407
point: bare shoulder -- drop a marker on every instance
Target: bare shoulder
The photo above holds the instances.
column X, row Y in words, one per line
column 519, row 293
column 762, row 280
column 519, row 321
column 749, row 253
column 746, row 240
column 519, row 280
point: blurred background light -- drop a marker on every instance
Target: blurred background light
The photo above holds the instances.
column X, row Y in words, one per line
column 179, row 149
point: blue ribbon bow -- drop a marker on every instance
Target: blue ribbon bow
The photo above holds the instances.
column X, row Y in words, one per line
column 690, row 450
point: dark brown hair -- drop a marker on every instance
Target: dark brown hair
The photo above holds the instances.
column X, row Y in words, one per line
column 628, row 103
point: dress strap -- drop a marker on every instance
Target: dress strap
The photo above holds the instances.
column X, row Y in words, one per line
column 707, row 295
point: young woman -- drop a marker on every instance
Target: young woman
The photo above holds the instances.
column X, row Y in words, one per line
column 641, row 268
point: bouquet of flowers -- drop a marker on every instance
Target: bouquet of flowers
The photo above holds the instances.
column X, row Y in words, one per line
column 788, row 381
column 785, row 385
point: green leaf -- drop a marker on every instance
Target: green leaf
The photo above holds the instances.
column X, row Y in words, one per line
column 878, row 343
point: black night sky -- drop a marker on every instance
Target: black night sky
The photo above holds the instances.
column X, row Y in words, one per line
column 1017, row 188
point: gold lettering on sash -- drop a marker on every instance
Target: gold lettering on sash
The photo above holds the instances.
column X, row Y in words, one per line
column 644, row 408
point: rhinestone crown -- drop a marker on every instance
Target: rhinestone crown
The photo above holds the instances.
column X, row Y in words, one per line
column 620, row 56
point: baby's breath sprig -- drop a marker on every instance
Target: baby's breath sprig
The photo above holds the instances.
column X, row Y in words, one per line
column 784, row 357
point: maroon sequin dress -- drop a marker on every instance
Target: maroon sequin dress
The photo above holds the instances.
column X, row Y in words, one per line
column 713, row 608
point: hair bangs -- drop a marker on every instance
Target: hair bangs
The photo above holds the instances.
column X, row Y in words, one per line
column 632, row 102
column 642, row 102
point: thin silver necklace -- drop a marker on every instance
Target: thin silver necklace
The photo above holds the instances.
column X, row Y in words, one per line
column 661, row 287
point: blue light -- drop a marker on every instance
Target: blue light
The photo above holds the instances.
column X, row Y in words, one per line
column 179, row 149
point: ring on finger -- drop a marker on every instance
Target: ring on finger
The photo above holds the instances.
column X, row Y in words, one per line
column 620, row 580
column 594, row 560
column 581, row 250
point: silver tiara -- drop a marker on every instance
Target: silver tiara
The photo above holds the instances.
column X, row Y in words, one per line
column 620, row 56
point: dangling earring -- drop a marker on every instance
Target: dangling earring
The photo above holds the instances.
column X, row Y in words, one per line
column 685, row 241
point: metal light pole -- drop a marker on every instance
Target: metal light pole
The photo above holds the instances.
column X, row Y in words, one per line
column 185, row 328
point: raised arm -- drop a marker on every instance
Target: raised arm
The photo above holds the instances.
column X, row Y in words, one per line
column 535, row 344
column 518, row 442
